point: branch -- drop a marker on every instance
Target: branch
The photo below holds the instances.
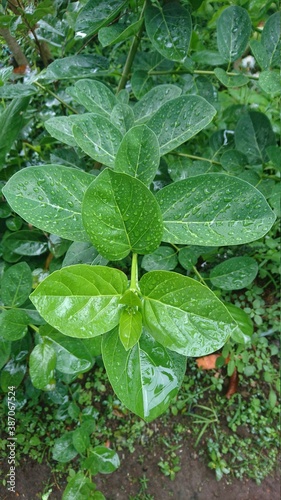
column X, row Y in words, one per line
column 14, row 47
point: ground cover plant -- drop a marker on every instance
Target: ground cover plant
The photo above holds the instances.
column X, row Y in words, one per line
column 140, row 174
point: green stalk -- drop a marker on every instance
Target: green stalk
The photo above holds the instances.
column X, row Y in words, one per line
column 134, row 273
column 42, row 87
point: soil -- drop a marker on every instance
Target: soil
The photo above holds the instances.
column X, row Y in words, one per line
column 195, row 481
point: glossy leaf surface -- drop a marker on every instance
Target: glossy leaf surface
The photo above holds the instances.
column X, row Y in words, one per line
column 102, row 460
column 146, row 377
column 130, row 327
column 94, row 96
column 16, row 284
column 81, row 301
column 63, row 450
column 180, row 119
column 230, row 81
column 120, row 215
column 270, row 82
column 13, row 324
column 213, row 209
column 245, row 325
column 75, row 67
column 29, row 243
column 138, row 154
column 96, row 14
column 253, row 134
column 12, row 374
column 42, row 363
column 234, row 273
column 184, row 315
column 5, row 351
column 153, row 100
column 11, row 122
column 97, row 137
column 233, row 32
column 60, row 127
column 79, row 487
column 271, row 39
column 81, row 252
column 122, row 117
column 50, row 197
column 164, row 258
column 118, row 32
column 169, row 29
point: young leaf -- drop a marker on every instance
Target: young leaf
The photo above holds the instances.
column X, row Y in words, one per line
column 130, row 327
column 138, row 154
column 180, row 119
column 253, row 134
column 25, row 242
column 80, row 487
column 11, row 122
column 184, row 315
column 213, row 209
column 120, row 215
column 96, row 14
column 146, row 377
column 42, row 364
column 102, row 460
column 80, row 440
column 118, row 32
column 81, row 301
column 153, row 100
column 64, row 451
column 50, row 197
column 235, row 273
column 94, row 96
column 169, row 29
column 245, row 325
column 13, row 324
column 233, row 32
column 271, row 39
column 12, row 374
column 97, row 137
column 122, row 117
column 16, row 284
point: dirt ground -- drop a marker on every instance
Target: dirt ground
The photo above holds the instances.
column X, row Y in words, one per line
column 195, row 481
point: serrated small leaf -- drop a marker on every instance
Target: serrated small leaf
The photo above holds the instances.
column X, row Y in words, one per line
column 42, row 364
column 233, row 32
column 50, row 197
column 81, row 301
column 121, row 215
column 234, row 273
column 16, row 284
column 94, row 96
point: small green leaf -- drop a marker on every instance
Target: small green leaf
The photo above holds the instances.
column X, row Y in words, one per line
column 233, row 161
column 12, row 374
column 213, row 209
column 96, row 14
column 16, row 284
column 117, row 33
column 42, row 364
column 63, row 450
column 50, row 197
column 25, row 242
column 253, row 134
column 138, row 154
column 130, row 327
column 164, row 258
column 122, row 117
column 13, row 324
column 234, row 273
column 60, row 127
column 80, row 440
column 98, row 138
column 169, row 29
column 271, row 39
column 18, row 90
column 102, row 460
column 120, row 215
column 146, row 377
column 83, row 253
column 130, row 298
column 184, row 315
column 81, row 301
column 153, row 100
column 230, row 81
column 233, row 32
column 260, row 54
column 94, row 96
column 244, row 332
column 141, row 83
column 180, row 119
column 270, row 82
column 5, row 351
column 80, row 487
column 11, row 122
column 79, row 66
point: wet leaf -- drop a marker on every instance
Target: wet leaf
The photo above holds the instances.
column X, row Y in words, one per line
column 64, row 451
column 260, row 54
column 94, row 96
column 75, row 67
column 230, row 81
column 233, row 32
column 17, row 90
column 102, row 460
column 233, row 161
column 81, row 301
column 141, row 83
column 13, row 324
column 147, row 106
column 80, row 487
column 25, row 242
column 96, row 14
column 271, row 39
column 118, row 32
column 184, row 315
column 83, row 253
column 122, row 117
column 270, row 82
column 213, row 209
column 42, row 364
column 130, row 326
column 138, row 154
column 164, row 258
column 253, row 134
column 11, row 122
column 146, row 377
column 234, row 273
column 16, row 284
column 5, row 351
column 50, row 197
column 60, row 127
column 243, row 334
column 12, row 374
column 121, row 215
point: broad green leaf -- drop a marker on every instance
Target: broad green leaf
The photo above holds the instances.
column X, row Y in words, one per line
column 271, row 39
column 234, row 273
column 60, row 127
column 5, row 351
column 73, row 355
column 102, row 460
column 83, row 253
column 80, row 487
column 26, row 242
column 50, row 197
column 12, row 374
column 64, row 451
column 57, row 245
column 138, row 154
column 146, row 378
column 274, row 154
column 213, row 58
column 13, row 324
column 233, row 32
column 230, row 81
column 153, row 100
column 253, row 134
column 81, row 301
column 11, row 122
column 80, row 440
column 164, row 258
column 117, row 33
column 184, row 315
column 94, row 96
column 260, row 54
column 18, row 90
column 180, row 119
column 213, row 209
column 122, row 117
column 233, row 161
column 141, row 83
column 16, row 284
column 98, row 138
column 42, row 364
column 75, row 67
column 270, row 82
column 130, row 327
column 96, row 14
column 244, row 332
column 121, row 215
column 169, row 29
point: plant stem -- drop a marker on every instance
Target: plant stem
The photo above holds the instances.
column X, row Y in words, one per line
column 197, row 72
column 197, row 158
column 42, row 87
column 131, row 54
column 134, row 273
column 199, row 276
